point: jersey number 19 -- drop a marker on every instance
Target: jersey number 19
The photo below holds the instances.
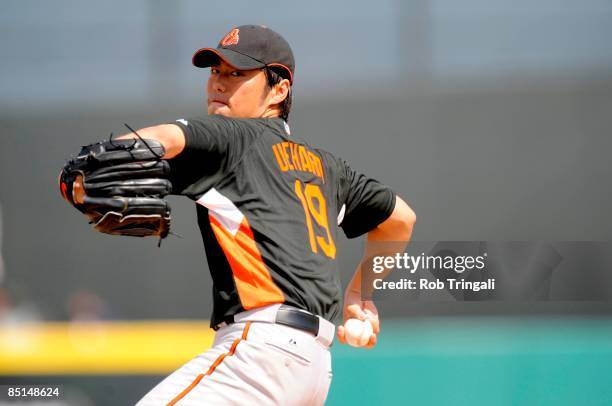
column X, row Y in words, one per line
column 315, row 208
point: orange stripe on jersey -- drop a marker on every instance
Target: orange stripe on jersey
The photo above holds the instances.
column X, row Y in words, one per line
column 214, row 366
column 253, row 281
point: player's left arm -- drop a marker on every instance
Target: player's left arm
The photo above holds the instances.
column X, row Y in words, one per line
column 170, row 136
column 387, row 239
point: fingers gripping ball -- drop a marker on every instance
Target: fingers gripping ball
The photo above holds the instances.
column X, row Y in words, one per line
column 358, row 332
column 120, row 187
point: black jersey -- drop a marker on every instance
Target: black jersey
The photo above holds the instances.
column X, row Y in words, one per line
column 268, row 208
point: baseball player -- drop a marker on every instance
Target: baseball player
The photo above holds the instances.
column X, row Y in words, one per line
column 268, row 206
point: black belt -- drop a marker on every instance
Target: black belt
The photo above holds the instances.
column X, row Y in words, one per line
column 291, row 317
column 296, row 318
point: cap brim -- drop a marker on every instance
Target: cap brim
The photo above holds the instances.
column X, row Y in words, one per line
column 206, row 57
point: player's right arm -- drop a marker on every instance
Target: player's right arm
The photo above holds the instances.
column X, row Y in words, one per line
column 373, row 208
column 387, row 239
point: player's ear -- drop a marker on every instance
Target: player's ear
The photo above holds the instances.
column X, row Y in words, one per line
column 280, row 91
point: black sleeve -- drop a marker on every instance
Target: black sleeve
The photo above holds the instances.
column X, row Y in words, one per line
column 367, row 203
column 212, row 145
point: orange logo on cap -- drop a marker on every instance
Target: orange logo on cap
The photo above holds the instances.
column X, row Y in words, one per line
column 231, row 38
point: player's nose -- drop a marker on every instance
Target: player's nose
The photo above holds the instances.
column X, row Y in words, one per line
column 217, row 85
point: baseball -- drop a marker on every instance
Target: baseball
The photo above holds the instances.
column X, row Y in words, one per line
column 357, row 332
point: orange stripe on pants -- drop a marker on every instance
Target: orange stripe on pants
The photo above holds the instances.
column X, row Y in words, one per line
column 213, row 366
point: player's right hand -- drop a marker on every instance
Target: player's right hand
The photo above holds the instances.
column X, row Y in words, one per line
column 356, row 308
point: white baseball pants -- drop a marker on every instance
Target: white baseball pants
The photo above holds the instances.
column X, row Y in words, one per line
column 251, row 363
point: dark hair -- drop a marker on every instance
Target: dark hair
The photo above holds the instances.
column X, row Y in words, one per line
column 274, row 77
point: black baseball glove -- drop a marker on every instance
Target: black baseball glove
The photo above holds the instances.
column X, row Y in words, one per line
column 125, row 182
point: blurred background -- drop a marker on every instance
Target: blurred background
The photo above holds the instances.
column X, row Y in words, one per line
column 492, row 118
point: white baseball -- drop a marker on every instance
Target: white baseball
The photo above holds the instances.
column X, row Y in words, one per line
column 357, row 332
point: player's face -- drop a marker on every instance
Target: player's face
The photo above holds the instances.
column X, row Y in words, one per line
column 237, row 93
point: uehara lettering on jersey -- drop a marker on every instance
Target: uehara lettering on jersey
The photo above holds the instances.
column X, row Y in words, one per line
column 296, row 157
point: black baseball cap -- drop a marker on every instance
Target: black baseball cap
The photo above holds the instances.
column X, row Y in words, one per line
column 249, row 47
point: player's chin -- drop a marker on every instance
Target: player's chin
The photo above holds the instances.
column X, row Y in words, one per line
column 220, row 109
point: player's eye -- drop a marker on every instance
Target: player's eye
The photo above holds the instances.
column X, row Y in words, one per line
column 235, row 73
column 214, row 71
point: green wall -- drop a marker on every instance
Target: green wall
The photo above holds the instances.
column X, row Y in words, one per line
column 479, row 361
